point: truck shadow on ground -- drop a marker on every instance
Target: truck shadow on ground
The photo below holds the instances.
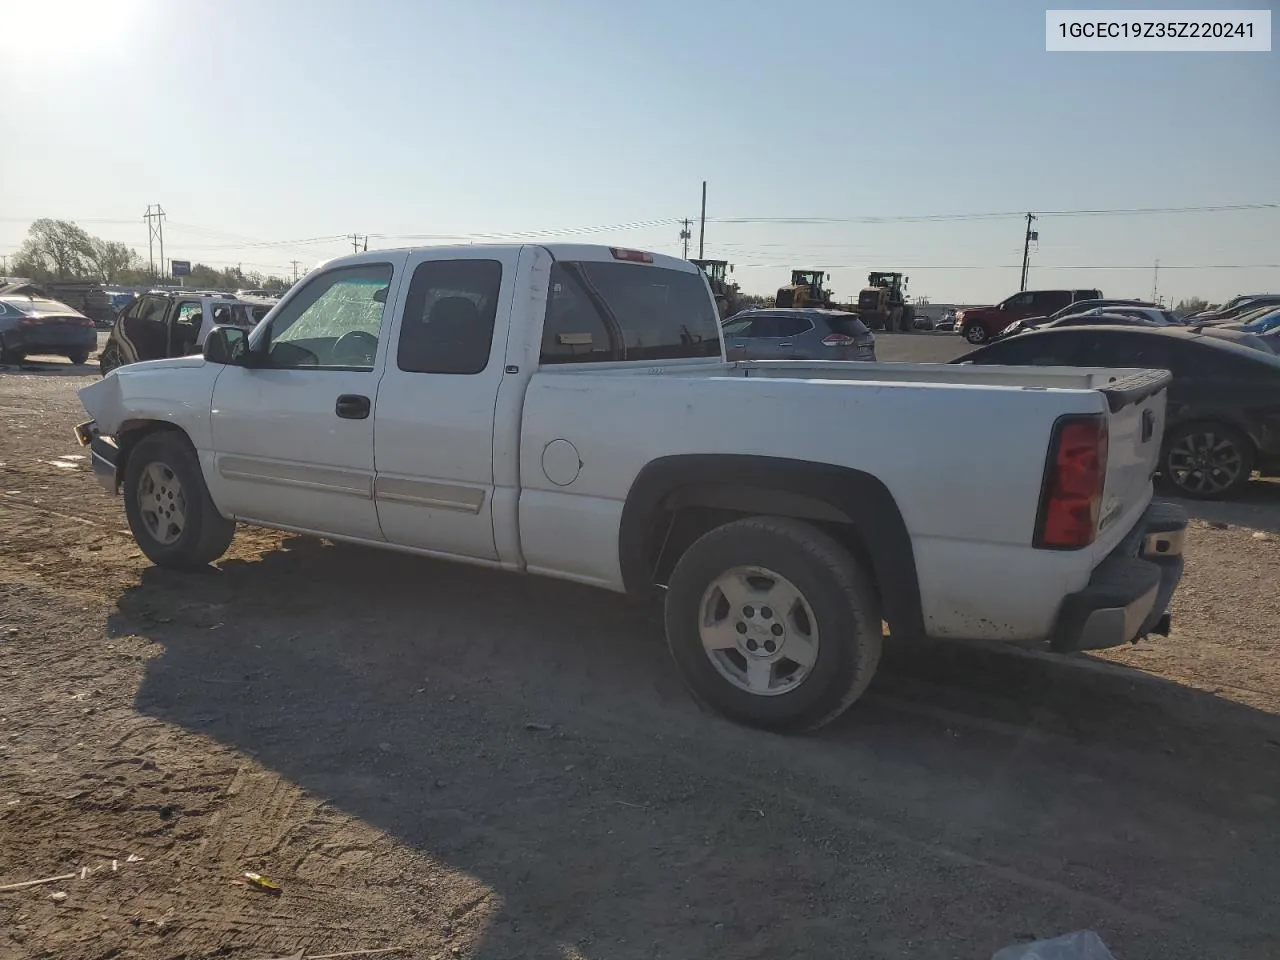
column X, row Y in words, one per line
column 534, row 735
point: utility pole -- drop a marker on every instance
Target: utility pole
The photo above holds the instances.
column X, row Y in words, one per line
column 685, row 237
column 155, row 231
column 702, row 223
column 1026, row 249
column 1155, row 284
column 356, row 241
column 296, row 264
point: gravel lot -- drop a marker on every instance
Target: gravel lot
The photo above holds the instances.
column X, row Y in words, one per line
column 464, row 763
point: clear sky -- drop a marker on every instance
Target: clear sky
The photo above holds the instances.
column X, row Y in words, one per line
column 259, row 122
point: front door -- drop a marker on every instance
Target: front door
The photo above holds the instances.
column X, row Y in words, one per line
column 434, row 443
column 293, row 433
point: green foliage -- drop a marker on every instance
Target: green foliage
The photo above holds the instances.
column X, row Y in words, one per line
column 54, row 250
column 61, row 250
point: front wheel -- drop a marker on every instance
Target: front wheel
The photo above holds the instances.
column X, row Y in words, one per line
column 109, row 359
column 773, row 623
column 975, row 334
column 170, row 512
column 1207, row 461
column 78, row 357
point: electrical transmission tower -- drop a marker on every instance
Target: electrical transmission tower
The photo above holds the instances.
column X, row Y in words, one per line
column 155, row 233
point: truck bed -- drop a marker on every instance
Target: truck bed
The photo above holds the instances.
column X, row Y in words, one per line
column 962, row 448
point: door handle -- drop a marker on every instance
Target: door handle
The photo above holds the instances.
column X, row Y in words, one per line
column 786, row 343
column 352, row 406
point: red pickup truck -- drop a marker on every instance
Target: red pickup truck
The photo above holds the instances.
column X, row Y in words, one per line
column 980, row 324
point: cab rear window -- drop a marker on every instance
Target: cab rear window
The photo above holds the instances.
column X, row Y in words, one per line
column 600, row 311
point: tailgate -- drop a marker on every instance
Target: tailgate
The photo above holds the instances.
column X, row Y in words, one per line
column 1135, row 425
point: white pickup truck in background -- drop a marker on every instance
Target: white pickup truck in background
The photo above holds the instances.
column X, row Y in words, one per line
column 568, row 411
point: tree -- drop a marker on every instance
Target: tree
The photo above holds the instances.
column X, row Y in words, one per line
column 114, row 262
column 55, row 250
column 1191, row 305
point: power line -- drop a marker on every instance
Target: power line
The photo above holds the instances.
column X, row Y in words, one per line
column 948, row 217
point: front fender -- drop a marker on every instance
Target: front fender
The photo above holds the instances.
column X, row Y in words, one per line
column 177, row 392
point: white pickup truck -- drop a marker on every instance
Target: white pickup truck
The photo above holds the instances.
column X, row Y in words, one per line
column 568, row 411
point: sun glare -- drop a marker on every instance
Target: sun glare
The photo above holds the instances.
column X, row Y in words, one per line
column 33, row 27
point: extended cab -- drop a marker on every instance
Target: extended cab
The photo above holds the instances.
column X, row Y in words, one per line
column 980, row 324
column 568, row 411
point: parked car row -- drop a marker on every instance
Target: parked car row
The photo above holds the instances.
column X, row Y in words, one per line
column 980, row 324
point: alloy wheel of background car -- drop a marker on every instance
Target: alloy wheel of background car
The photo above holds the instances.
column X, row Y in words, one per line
column 1208, row 461
column 975, row 334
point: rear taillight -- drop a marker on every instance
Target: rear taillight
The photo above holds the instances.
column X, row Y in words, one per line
column 1071, row 497
column 838, row 340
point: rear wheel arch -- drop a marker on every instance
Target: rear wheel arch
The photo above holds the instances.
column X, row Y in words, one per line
column 674, row 500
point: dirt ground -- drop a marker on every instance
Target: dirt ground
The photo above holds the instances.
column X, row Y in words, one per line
column 464, row 763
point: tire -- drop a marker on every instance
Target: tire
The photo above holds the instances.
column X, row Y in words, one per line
column 975, row 333
column 1206, row 461
column 109, row 359
column 79, row 357
column 163, row 472
column 10, row 356
column 834, row 625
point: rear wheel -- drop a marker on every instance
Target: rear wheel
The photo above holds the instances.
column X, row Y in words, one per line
column 172, row 517
column 78, row 357
column 975, row 334
column 773, row 623
column 1207, row 461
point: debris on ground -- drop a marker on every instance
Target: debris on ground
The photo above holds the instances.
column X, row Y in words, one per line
column 263, row 883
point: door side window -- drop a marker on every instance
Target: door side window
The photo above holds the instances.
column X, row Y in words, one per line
column 449, row 317
column 1021, row 301
column 1050, row 301
column 792, row 326
column 333, row 322
column 186, row 327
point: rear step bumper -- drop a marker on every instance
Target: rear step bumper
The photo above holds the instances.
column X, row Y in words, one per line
column 1128, row 595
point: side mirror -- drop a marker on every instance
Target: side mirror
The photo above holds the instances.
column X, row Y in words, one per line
column 228, row 346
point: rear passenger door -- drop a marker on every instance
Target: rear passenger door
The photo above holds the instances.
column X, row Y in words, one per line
column 434, row 423
column 795, row 338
